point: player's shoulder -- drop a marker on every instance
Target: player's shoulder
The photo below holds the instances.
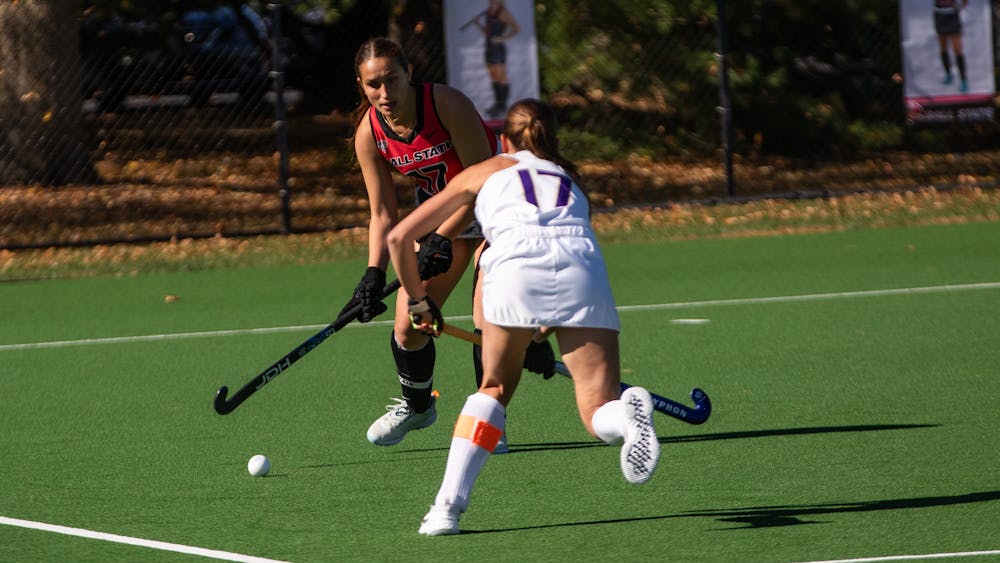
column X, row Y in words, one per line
column 364, row 123
column 364, row 135
column 454, row 108
column 449, row 98
column 493, row 165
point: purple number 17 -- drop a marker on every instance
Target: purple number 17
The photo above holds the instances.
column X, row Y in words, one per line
column 529, row 187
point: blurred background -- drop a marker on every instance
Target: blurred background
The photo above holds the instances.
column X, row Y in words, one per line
column 143, row 121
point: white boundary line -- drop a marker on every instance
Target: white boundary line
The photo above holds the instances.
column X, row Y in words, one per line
column 816, row 296
column 912, row 557
column 80, row 532
column 154, row 337
column 625, row 308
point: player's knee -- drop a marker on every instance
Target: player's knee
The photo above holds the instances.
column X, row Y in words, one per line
column 409, row 339
column 414, row 362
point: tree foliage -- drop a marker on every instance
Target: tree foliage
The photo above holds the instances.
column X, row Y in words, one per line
column 327, row 11
column 805, row 75
column 808, row 75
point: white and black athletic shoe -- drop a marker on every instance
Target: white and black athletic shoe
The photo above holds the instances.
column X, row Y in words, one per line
column 641, row 448
column 392, row 426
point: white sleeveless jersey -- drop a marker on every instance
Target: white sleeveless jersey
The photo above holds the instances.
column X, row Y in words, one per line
column 543, row 266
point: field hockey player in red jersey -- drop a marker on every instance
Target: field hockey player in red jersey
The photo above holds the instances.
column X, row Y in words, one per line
column 428, row 132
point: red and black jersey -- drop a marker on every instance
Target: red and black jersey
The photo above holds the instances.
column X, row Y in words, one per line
column 428, row 155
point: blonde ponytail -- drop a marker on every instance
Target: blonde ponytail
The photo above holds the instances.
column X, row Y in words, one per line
column 531, row 125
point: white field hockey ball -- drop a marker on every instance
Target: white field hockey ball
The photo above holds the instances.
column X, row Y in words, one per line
column 259, row 465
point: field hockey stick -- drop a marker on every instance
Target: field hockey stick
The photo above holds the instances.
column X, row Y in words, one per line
column 224, row 406
column 692, row 415
column 465, row 25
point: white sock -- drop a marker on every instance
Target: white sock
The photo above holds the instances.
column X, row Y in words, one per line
column 479, row 426
column 609, row 422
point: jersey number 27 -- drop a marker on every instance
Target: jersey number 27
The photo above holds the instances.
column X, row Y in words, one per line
column 431, row 179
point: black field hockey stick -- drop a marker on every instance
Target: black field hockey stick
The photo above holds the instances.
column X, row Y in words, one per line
column 692, row 415
column 465, row 25
column 226, row 406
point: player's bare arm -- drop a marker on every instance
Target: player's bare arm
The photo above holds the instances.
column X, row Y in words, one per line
column 460, row 116
column 512, row 27
column 381, row 194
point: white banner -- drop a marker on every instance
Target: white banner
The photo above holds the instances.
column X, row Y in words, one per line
column 947, row 59
column 492, row 53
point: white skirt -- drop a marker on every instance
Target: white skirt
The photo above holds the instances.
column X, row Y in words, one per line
column 547, row 281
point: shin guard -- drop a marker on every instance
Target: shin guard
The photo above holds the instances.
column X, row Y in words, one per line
column 416, row 370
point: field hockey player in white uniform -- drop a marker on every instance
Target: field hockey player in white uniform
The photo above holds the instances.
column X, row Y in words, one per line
column 543, row 268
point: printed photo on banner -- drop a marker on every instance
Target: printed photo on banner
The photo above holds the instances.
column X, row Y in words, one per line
column 492, row 53
column 947, row 60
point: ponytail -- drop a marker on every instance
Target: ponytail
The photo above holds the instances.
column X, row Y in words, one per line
column 531, row 125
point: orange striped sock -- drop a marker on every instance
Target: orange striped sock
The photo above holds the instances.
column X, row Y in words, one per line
column 477, row 431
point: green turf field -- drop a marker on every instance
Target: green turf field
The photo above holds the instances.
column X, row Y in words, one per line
column 854, row 378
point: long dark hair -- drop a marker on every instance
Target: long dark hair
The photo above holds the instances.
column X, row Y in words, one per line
column 531, row 125
column 374, row 48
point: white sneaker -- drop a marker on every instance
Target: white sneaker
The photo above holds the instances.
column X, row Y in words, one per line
column 641, row 449
column 501, row 447
column 440, row 521
column 392, row 426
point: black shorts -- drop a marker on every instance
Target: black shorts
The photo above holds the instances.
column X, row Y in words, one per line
column 947, row 23
column 496, row 53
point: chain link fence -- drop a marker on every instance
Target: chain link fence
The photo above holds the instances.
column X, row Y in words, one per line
column 232, row 120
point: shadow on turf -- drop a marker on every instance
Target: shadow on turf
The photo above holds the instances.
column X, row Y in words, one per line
column 791, row 515
column 793, row 432
column 517, row 448
column 770, row 516
column 522, row 448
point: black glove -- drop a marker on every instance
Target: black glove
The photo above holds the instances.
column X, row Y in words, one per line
column 425, row 311
column 539, row 358
column 368, row 294
column 434, row 256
